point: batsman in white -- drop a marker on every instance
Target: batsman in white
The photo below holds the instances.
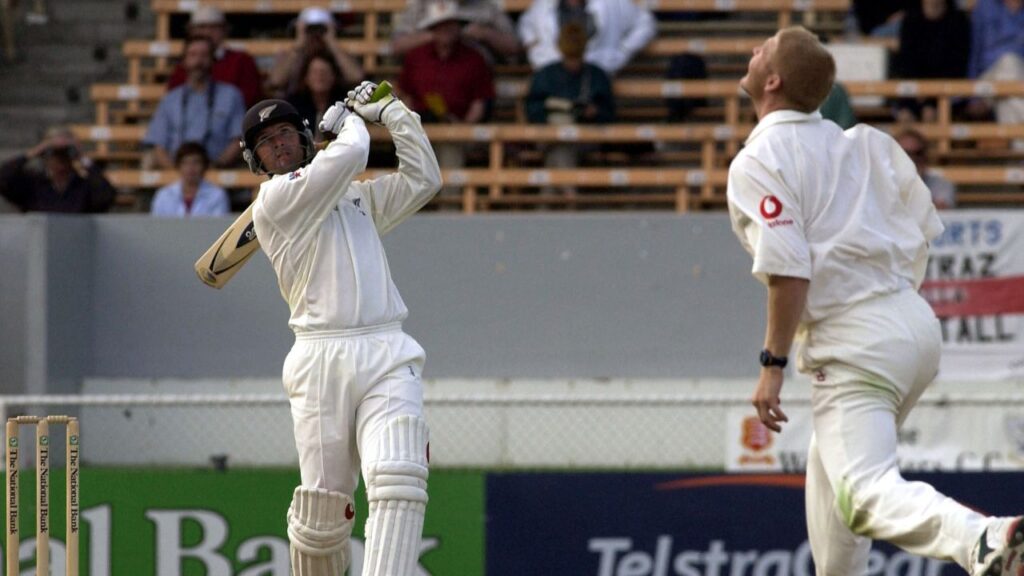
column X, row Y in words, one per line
column 352, row 376
column 838, row 224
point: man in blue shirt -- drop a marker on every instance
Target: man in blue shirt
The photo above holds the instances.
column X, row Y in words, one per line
column 201, row 110
column 997, row 51
column 997, row 31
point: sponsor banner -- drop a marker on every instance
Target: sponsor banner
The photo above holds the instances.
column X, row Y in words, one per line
column 975, row 283
column 933, row 439
column 687, row 525
column 208, row 523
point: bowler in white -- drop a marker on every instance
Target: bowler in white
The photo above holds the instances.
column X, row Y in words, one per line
column 838, row 224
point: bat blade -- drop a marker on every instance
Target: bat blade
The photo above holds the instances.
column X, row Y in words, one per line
column 229, row 253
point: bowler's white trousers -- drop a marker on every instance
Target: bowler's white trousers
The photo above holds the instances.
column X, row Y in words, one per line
column 869, row 365
column 344, row 388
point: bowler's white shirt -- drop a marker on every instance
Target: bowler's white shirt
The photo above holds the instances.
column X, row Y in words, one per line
column 321, row 231
column 845, row 210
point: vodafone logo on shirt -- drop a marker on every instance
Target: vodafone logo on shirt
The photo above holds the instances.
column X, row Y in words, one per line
column 771, row 208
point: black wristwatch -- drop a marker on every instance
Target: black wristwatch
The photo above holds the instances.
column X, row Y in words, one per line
column 767, row 360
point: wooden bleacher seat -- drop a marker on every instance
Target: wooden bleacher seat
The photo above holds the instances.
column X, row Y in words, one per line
column 373, row 54
column 372, row 36
column 783, row 10
column 645, row 97
column 677, row 184
column 499, row 185
column 484, row 189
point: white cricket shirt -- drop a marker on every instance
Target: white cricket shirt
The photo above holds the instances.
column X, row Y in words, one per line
column 321, row 230
column 845, row 210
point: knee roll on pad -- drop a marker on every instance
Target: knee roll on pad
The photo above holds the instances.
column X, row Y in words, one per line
column 396, row 486
column 401, row 472
column 319, row 526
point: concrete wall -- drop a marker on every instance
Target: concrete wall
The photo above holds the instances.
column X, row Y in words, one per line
column 548, row 296
column 70, row 273
column 17, row 235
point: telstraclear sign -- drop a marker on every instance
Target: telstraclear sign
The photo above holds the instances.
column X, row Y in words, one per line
column 689, row 525
column 176, row 522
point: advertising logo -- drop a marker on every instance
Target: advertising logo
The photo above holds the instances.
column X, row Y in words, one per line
column 770, row 207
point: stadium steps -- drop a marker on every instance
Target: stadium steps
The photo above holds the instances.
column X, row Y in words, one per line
column 78, row 44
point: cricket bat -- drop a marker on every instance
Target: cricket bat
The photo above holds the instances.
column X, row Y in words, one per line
column 238, row 243
column 230, row 252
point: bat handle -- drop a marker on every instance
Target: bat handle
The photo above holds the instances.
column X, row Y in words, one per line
column 382, row 91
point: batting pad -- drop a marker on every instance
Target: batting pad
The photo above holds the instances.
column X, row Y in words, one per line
column 319, row 526
column 396, row 486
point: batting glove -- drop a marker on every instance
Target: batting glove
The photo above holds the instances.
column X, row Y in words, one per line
column 360, row 100
column 334, row 118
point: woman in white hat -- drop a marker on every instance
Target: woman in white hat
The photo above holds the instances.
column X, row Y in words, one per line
column 314, row 32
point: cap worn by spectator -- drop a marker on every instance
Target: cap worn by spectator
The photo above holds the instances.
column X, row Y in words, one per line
column 441, row 11
column 207, row 16
column 313, row 16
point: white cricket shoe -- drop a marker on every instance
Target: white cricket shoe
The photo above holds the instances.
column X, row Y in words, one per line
column 999, row 550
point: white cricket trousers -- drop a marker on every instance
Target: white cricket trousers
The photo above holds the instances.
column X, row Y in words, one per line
column 344, row 387
column 869, row 365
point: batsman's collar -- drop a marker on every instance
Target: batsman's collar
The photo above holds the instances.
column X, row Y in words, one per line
column 782, row 117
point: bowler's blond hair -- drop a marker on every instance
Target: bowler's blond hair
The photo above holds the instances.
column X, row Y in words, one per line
column 806, row 68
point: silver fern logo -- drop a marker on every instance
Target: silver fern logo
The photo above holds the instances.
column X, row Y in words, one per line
column 266, row 112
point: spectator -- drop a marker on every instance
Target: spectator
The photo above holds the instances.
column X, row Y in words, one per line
column 880, row 18
column 191, row 195
column 997, row 53
column 837, row 107
column 685, row 67
column 490, row 30
column 447, row 80
column 53, row 176
column 202, row 110
column 314, row 32
column 229, row 66
column 569, row 91
column 916, row 146
column 321, row 87
column 617, row 30
column 934, row 43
